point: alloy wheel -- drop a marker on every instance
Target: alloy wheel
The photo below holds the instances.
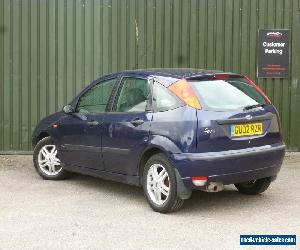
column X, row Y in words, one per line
column 48, row 160
column 158, row 184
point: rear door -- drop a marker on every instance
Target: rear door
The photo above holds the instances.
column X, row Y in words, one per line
column 234, row 116
column 126, row 127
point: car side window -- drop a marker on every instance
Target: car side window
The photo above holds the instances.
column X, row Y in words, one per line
column 95, row 99
column 133, row 95
column 163, row 99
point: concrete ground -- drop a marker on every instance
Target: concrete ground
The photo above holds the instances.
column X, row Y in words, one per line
column 89, row 213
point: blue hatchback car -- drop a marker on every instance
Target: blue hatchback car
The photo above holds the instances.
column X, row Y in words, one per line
column 170, row 131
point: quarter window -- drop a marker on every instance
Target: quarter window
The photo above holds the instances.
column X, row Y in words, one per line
column 96, row 98
column 163, row 99
column 133, row 96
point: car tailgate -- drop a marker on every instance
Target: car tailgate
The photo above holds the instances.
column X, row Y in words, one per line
column 216, row 129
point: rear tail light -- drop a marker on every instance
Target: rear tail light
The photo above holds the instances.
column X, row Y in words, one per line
column 185, row 92
column 199, row 180
column 258, row 89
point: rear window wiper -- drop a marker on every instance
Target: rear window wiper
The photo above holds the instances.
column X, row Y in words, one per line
column 253, row 106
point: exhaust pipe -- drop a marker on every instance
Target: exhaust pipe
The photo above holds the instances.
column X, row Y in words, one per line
column 214, row 187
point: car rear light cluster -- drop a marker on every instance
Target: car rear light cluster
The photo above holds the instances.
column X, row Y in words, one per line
column 258, row 89
column 186, row 93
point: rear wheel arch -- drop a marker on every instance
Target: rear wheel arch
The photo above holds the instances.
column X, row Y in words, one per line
column 145, row 157
column 182, row 190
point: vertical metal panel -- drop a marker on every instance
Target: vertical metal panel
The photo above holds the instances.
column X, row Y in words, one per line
column 51, row 49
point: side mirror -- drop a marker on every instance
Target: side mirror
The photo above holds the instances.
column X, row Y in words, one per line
column 68, row 109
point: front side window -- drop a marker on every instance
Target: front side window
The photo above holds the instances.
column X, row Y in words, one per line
column 95, row 99
column 133, row 96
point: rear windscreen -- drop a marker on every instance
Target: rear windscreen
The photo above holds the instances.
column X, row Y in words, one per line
column 227, row 94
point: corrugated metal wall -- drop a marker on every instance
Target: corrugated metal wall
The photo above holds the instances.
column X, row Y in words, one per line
column 49, row 50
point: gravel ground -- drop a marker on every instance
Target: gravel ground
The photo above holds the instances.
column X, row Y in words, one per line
column 89, row 213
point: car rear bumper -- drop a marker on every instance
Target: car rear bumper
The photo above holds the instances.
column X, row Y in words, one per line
column 232, row 166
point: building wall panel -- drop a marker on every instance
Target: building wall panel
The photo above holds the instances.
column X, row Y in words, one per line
column 51, row 49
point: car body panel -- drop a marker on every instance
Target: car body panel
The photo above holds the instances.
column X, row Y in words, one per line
column 123, row 142
column 80, row 143
column 44, row 126
column 214, row 129
column 232, row 166
column 182, row 131
column 123, row 178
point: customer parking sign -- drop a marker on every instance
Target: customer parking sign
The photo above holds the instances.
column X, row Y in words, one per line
column 273, row 53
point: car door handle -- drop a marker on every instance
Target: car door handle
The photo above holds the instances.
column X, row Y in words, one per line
column 92, row 123
column 137, row 121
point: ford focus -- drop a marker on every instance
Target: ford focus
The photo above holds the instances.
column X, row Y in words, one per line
column 170, row 131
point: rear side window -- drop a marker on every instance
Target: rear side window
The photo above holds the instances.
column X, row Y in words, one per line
column 163, row 99
column 96, row 98
column 133, row 95
column 227, row 94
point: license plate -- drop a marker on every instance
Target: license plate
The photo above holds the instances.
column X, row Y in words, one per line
column 246, row 129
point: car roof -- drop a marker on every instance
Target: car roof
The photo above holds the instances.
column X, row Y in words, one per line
column 167, row 72
column 175, row 72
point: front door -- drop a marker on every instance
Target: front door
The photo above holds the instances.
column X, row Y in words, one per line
column 81, row 131
column 126, row 128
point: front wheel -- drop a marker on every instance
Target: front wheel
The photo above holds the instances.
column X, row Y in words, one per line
column 46, row 161
column 160, row 186
column 253, row 187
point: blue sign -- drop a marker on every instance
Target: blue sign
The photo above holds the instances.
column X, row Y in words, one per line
column 255, row 239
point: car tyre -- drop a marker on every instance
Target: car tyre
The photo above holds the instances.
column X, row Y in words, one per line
column 253, row 187
column 46, row 161
column 160, row 186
